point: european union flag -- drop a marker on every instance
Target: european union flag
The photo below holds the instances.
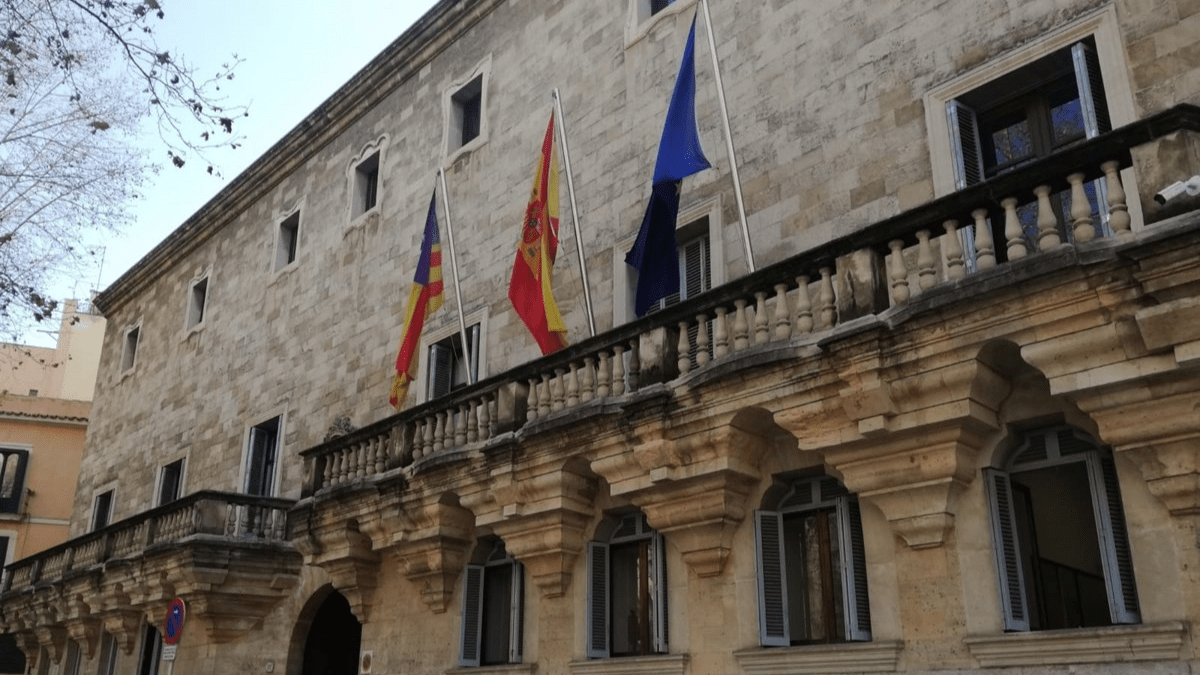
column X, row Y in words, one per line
column 654, row 253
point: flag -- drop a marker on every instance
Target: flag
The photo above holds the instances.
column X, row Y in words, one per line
column 654, row 253
column 423, row 299
column 530, row 288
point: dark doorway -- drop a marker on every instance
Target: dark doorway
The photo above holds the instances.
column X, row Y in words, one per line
column 333, row 639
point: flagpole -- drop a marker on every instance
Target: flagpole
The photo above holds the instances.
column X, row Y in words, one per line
column 737, row 181
column 462, row 324
column 562, row 134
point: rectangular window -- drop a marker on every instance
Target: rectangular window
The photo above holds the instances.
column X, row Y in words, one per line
column 170, row 482
column 151, row 651
column 627, row 591
column 129, row 352
column 12, row 659
column 71, row 661
column 448, row 363
column 102, row 510
column 366, row 184
column 108, row 654
column 261, row 458
column 286, row 240
column 197, row 299
column 467, row 105
column 657, row 6
column 493, row 611
column 13, row 464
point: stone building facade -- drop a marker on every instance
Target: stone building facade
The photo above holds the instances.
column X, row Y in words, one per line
column 949, row 424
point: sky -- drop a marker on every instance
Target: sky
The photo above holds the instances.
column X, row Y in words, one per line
column 296, row 54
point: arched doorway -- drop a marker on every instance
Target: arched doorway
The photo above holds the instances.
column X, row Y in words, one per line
column 332, row 645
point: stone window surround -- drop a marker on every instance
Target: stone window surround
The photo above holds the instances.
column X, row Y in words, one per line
column 1102, row 25
column 126, row 371
column 623, row 287
column 111, row 487
column 431, row 337
column 640, row 22
column 19, row 514
column 190, row 326
column 1108, row 644
column 298, row 209
column 355, row 219
column 654, row 664
column 243, row 465
column 453, row 152
column 845, row 657
column 158, row 473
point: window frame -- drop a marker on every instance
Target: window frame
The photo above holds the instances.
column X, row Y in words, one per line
column 150, row 650
column 440, row 356
column 287, row 239
column 16, row 503
column 474, row 634
column 160, row 481
column 370, row 160
column 269, row 485
column 197, row 302
column 109, row 492
column 435, row 336
column 109, row 653
column 452, row 126
column 641, row 19
column 629, row 527
column 131, row 344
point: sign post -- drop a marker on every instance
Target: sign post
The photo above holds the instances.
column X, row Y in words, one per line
column 172, row 628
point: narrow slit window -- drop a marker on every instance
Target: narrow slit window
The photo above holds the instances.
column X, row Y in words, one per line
column 287, row 240
column 366, row 184
column 468, row 112
column 197, row 302
column 129, row 352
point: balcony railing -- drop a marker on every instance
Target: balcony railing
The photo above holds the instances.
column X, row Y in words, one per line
column 235, row 517
column 865, row 273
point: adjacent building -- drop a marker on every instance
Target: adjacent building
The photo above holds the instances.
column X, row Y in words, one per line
column 939, row 416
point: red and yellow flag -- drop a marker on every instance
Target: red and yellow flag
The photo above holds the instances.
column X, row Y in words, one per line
column 423, row 299
column 530, row 289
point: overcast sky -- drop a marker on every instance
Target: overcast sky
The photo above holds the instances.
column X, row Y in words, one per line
column 297, row 53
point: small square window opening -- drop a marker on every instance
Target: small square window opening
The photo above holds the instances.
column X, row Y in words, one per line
column 468, row 112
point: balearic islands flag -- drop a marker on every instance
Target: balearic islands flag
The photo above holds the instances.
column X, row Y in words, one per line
column 531, row 290
column 423, row 299
column 654, row 253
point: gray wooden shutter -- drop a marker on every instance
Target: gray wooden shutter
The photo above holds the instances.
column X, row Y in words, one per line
column 1091, row 89
column 1005, row 544
column 597, row 598
column 1114, row 540
column 516, row 638
column 472, row 356
column 472, row 616
column 854, row 570
column 255, row 461
column 772, row 582
column 966, row 152
column 441, row 370
column 658, row 593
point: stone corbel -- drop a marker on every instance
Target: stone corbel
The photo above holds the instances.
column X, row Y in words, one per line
column 86, row 633
column 227, row 616
column 53, row 639
column 349, row 557
column 28, row 643
column 124, row 625
column 431, row 547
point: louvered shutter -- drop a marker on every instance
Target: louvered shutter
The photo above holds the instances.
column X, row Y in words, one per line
column 472, row 616
column 597, row 598
column 1007, row 549
column 658, row 593
column 441, row 370
column 854, row 570
column 772, row 582
column 516, row 638
column 472, row 356
column 1114, row 540
column 965, row 148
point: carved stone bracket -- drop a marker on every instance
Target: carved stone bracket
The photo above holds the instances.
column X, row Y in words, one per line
column 431, row 547
column 349, row 557
column 124, row 625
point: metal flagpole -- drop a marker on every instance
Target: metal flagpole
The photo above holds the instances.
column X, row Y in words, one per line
column 562, row 134
column 462, row 324
column 737, row 181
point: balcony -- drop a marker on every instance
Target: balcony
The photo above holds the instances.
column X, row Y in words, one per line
column 225, row 554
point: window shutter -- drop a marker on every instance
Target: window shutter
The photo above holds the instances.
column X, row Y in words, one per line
column 854, row 570
column 472, row 616
column 1091, row 90
column 772, row 583
column 473, row 352
column 516, row 639
column 254, row 468
column 1114, row 540
column 1004, row 543
column 441, row 369
column 12, row 479
column 597, row 597
column 658, row 592
column 694, row 261
column 964, row 145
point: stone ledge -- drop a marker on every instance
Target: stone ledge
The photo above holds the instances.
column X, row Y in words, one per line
column 505, row 669
column 1157, row 642
column 864, row 657
column 665, row 664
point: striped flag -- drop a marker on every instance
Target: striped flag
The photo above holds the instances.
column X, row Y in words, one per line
column 423, row 299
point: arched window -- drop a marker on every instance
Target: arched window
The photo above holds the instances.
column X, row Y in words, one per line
column 812, row 577
column 1062, row 551
column 627, row 589
column 493, row 613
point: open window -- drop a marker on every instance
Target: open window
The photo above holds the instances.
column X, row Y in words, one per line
column 102, row 506
column 14, row 463
column 467, row 112
column 812, row 577
column 129, row 347
column 627, row 589
column 170, row 482
column 1058, row 526
column 150, row 652
column 493, row 611
column 448, row 363
column 108, row 654
column 287, row 240
column 197, row 302
column 262, row 455
column 366, row 184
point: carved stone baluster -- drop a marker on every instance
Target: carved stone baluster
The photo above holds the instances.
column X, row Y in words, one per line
column 603, row 377
column 955, row 266
column 783, row 316
column 587, row 380
column 898, row 272
column 682, row 348
column 925, row 265
column 985, row 248
column 371, row 451
column 1047, row 223
column 573, row 386
column 618, row 375
column 827, row 299
column 531, row 402
column 427, row 448
column 762, row 330
column 460, row 426
column 380, row 444
column 327, row 472
column 557, row 392
column 720, row 334
column 545, row 397
column 804, row 316
column 360, row 460
column 485, row 418
column 439, row 433
column 741, row 328
column 1013, row 234
column 1081, row 211
column 703, row 357
column 635, row 365
column 1118, row 211
column 473, row 419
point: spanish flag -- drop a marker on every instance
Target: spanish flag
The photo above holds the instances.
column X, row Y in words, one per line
column 530, row 289
column 423, row 300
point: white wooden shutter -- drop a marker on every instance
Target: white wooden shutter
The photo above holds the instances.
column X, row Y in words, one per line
column 1114, row 540
column 516, row 638
column 854, row 570
column 772, row 582
column 472, row 616
column 1007, row 549
column 658, row 593
column 966, row 151
column 597, row 599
